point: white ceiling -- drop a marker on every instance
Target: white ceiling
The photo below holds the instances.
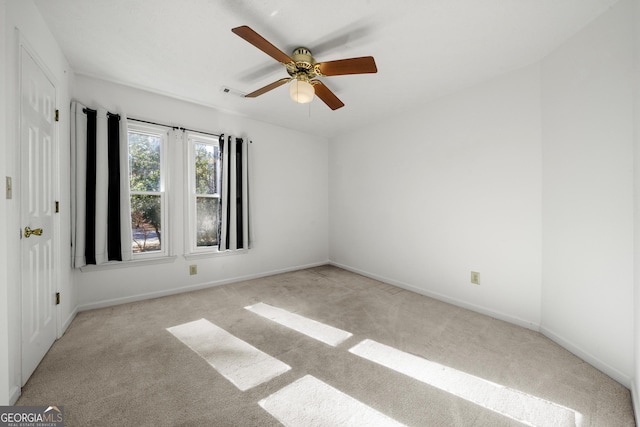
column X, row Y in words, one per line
column 423, row 48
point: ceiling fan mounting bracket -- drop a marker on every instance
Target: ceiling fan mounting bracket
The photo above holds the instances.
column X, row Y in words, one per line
column 302, row 54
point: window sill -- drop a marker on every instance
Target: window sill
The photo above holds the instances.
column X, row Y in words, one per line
column 125, row 264
column 159, row 260
column 214, row 254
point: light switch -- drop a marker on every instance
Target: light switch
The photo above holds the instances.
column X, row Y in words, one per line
column 9, row 188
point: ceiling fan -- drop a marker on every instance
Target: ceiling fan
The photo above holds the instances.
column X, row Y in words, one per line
column 303, row 70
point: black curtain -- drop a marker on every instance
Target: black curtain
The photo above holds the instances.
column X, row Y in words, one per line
column 90, row 229
column 239, row 207
column 113, row 237
column 223, row 214
column 114, row 244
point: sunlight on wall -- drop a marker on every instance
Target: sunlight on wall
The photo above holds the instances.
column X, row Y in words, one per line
column 511, row 403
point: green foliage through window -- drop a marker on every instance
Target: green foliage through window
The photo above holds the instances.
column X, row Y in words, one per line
column 147, row 188
column 144, row 162
column 206, row 168
column 146, row 197
column 206, row 164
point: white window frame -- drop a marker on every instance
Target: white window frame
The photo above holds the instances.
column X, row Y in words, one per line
column 161, row 133
column 194, row 138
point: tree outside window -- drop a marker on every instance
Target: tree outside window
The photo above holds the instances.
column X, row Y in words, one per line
column 205, row 197
column 145, row 175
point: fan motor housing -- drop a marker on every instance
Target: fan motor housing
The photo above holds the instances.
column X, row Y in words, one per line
column 303, row 59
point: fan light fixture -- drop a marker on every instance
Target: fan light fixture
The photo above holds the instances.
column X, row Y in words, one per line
column 301, row 91
column 304, row 71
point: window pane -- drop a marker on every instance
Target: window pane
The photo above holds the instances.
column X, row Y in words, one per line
column 206, row 168
column 146, row 229
column 206, row 221
column 144, row 162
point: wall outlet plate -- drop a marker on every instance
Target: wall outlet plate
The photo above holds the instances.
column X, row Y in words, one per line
column 475, row 277
column 193, row 269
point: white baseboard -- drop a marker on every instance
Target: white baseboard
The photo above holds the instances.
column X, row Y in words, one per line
column 14, row 395
column 173, row 291
column 440, row 297
column 66, row 323
column 622, row 378
column 635, row 402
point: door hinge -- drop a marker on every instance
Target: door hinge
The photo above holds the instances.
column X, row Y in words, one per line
column 57, row 115
column 57, row 206
column 57, row 298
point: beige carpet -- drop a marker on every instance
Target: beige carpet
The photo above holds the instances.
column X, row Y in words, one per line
column 411, row 359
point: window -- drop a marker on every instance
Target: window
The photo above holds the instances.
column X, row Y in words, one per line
column 147, row 185
column 175, row 185
column 204, row 192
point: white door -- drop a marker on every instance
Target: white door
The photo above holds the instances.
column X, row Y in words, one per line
column 37, row 116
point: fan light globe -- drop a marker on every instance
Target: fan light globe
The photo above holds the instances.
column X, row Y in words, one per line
column 301, row 91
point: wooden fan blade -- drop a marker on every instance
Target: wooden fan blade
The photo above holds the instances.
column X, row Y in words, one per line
column 327, row 96
column 362, row 65
column 268, row 87
column 261, row 43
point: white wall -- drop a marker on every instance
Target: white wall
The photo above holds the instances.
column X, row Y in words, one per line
column 636, row 385
column 24, row 16
column 288, row 182
column 5, row 374
column 423, row 199
column 527, row 179
column 587, row 204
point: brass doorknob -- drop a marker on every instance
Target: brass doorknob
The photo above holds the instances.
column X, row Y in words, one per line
column 28, row 232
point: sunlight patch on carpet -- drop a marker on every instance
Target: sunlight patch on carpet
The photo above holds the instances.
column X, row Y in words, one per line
column 511, row 403
column 239, row 362
column 310, row 402
column 312, row 328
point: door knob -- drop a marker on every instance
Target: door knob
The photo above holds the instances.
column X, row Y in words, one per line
column 28, row 232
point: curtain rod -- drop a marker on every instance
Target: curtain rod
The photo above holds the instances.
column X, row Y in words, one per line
column 173, row 127
column 88, row 110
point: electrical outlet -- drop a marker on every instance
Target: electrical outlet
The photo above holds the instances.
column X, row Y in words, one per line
column 193, row 269
column 475, row 277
